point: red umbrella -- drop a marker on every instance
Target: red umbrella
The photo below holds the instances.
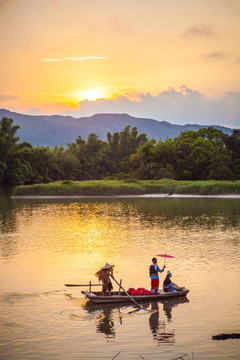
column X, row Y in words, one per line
column 165, row 256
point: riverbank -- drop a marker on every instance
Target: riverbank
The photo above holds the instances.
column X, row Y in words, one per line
column 164, row 187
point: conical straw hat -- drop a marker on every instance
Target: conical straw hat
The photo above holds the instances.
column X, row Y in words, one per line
column 107, row 266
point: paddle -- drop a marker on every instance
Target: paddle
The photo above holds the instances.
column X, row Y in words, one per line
column 130, row 297
column 90, row 285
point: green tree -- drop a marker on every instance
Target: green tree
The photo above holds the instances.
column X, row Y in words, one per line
column 233, row 145
column 143, row 162
column 42, row 162
column 13, row 168
column 93, row 162
column 65, row 165
column 122, row 145
column 199, row 153
column 165, row 157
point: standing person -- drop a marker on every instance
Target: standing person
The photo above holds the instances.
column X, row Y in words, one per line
column 153, row 273
column 104, row 276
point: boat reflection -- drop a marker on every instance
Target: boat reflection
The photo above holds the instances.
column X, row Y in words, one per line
column 107, row 314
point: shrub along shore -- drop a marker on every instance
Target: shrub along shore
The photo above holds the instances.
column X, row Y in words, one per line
column 128, row 187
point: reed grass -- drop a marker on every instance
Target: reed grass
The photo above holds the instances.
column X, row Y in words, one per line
column 128, row 187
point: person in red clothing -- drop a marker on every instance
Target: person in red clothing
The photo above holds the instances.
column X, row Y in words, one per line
column 153, row 273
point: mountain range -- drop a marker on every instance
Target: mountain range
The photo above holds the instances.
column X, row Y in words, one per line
column 54, row 130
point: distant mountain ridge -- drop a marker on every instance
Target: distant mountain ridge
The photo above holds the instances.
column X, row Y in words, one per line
column 54, row 130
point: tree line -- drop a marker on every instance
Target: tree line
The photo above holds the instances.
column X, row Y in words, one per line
column 193, row 155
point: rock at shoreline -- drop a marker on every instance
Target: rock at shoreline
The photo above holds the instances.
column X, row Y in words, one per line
column 226, row 336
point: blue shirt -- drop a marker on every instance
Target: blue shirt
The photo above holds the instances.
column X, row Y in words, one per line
column 157, row 269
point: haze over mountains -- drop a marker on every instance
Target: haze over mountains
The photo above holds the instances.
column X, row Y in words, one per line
column 59, row 130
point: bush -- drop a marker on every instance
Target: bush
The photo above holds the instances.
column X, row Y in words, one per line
column 67, row 182
column 129, row 186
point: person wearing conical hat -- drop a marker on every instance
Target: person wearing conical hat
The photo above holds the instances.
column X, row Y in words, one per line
column 104, row 276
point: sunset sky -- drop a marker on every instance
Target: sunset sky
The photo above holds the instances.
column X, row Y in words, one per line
column 175, row 60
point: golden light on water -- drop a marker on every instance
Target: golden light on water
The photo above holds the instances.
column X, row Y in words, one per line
column 87, row 235
column 48, row 243
column 83, row 232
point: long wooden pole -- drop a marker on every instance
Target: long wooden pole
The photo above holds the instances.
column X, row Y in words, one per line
column 120, row 287
column 130, row 297
column 83, row 284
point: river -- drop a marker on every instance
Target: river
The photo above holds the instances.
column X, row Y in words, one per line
column 45, row 243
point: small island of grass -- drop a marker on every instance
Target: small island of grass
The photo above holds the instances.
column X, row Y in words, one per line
column 128, row 187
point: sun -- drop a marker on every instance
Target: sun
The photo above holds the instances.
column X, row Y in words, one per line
column 90, row 94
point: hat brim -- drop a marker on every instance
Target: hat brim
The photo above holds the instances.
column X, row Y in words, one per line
column 107, row 266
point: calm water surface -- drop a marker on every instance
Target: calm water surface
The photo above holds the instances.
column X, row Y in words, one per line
column 46, row 243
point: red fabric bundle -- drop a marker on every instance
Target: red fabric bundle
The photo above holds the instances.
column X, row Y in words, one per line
column 139, row 291
column 130, row 290
column 135, row 293
column 145, row 292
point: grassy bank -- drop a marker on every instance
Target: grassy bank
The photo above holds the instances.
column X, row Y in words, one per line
column 128, row 187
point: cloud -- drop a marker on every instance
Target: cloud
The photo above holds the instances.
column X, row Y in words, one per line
column 34, row 111
column 182, row 106
column 6, row 97
column 199, row 31
column 216, row 55
column 86, row 58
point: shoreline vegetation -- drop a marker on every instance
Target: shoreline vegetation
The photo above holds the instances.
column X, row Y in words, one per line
column 129, row 187
column 206, row 154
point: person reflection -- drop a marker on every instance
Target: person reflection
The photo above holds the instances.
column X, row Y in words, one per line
column 158, row 327
column 105, row 322
column 154, row 319
column 168, row 305
column 167, row 308
column 104, row 317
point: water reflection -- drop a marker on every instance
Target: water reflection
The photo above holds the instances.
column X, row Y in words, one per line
column 159, row 317
column 8, row 220
column 47, row 243
column 158, row 326
column 74, row 226
column 105, row 316
column 105, row 323
column 8, row 227
column 188, row 212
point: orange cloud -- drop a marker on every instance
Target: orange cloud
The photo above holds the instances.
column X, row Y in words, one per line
column 75, row 58
column 199, row 31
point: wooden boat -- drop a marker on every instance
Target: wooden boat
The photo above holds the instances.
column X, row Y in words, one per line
column 97, row 297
